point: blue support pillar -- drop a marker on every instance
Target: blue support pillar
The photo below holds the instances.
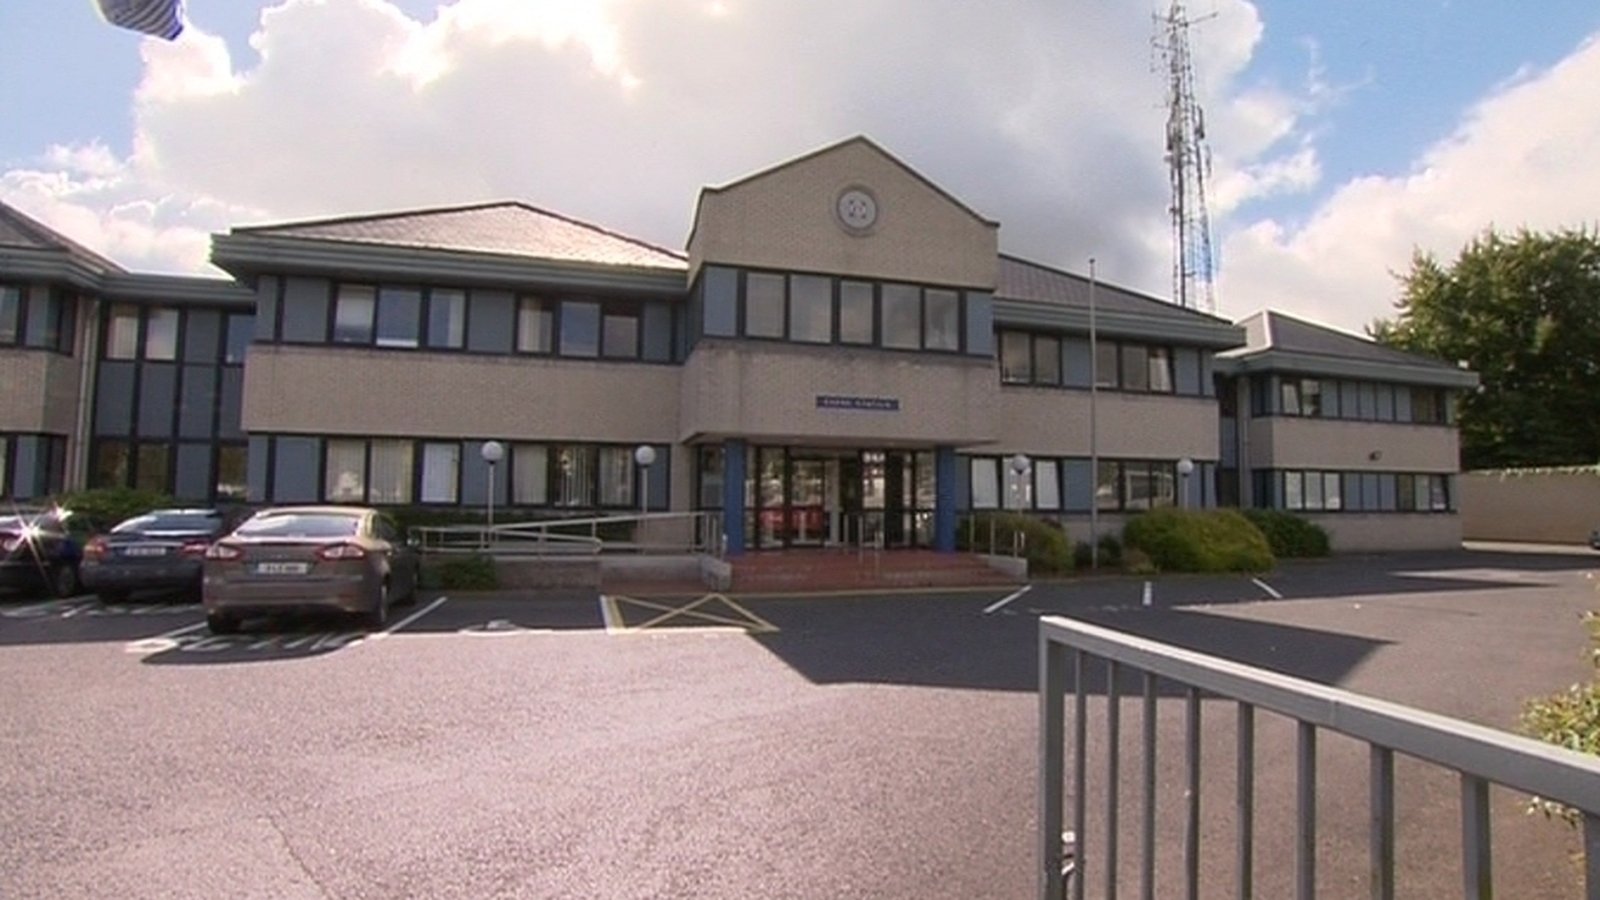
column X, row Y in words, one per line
column 733, row 459
column 944, row 508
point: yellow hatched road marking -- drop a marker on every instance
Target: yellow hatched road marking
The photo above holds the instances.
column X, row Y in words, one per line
column 616, row 624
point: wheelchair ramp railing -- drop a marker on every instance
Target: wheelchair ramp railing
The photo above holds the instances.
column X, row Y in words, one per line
column 1079, row 653
column 655, row 533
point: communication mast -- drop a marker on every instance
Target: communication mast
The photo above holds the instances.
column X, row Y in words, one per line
column 1188, row 165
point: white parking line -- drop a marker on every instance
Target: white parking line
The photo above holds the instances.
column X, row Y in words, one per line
column 1005, row 600
column 1268, row 588
column 1149, row 593
column 407, row 620
column 160, row 642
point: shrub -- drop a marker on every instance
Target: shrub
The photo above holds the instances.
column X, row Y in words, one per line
column 1212, row 540
column 1110, row 553
column 1289, row 535
column 98, row 510
column 1569, row 719
column 461, row 573
column 1045, row 545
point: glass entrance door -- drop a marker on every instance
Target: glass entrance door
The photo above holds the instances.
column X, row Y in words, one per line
column 809, row 524
column 817, row 497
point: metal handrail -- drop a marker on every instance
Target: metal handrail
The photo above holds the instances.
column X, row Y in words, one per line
column 1482, row 756
column 553, row 536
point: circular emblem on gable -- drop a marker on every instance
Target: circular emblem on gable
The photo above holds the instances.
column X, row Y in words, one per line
column 857, row 209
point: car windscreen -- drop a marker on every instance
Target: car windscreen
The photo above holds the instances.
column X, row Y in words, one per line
column 301, row 525
column 158, row 521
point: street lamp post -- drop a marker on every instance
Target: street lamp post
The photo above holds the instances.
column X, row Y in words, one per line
column 645, row 456
column 1019, row 466
column 492, row 452
column 1185, row 469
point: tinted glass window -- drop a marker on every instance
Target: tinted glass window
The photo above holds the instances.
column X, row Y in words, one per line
column 305, row 310
column 312, row 525
column 150, row 471
column 810, row 309
column 580, row 328
column 111, row 466
column 44, row 319
column 1105, row 361
column 1160, row 370
column 232, row 477
column 763, row 305
column 352, row 314
column 943, row 326
column 447, row 318
column 122, row 332
column 536, row 323
column 721, row 289
column 855, row 312
column 1135, row 368
column 161, row 334
column 1016, row 360
column 1046, row 359
column 240, row 329
column 902, row 316
column 620, row 336
column 10, row 313
column 171, row 521
column 201, row 335
column 399, row 317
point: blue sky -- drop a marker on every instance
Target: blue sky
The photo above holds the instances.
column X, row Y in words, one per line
column 1347, row 132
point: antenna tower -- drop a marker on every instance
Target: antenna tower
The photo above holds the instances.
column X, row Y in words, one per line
column 1188, row 164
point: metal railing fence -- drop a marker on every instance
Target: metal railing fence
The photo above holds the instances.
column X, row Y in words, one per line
column 1480, row 756
column 670, row 532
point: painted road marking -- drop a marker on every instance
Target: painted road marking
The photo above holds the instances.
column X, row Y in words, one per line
column 998, row 604
column 409, row 619
column 749, row 623
column 1149, row 593
column 75, row 607
column 160, row 642
column 1268, row 588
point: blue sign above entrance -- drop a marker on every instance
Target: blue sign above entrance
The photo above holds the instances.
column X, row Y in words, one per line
column 874, row 404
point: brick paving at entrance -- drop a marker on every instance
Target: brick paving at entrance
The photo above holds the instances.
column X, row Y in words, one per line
column 830, row 570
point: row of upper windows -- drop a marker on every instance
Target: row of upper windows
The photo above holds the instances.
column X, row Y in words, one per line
column 1325, row 491
column 823, row 309
column 1328, row 398
column 168, row 334
column 36, row 316
column 1054, row 360
column 313, row 311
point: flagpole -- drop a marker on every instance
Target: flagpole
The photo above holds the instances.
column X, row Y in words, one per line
column 1094, row 444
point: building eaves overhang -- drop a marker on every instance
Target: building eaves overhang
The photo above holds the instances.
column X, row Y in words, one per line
column 177, row 289
column 1421, row 373
column 247, row 255
column 1195, row 331
column 49, row 264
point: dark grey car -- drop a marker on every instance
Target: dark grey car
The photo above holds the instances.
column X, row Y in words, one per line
column 161, row 550
column 345, row 559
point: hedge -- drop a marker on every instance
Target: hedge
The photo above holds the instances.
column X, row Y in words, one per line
column 1210, row 540
column 1289, row 535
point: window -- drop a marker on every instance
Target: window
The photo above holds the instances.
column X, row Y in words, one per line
column 1046, row 484
column 441, row 465
column 530, row 475
column 1135, row 367
column 1310, row 397
column 1332, row 491
column 1016, row 358
column 810, row 309
column 240, row 329
column 1289, row 397
column 352, row 314
column 763, row 305
column 573, row 468
column 619, row 335
column 580, row 328
column 855, row 312
column 1438, row 493
column 1046, row 359
column 985, row 482
column 232, row 477
column 10, row 314
column 150, row 472
column 122, row 332
column 1427, row 406
column 1161, row 370
column 942, row 322
column 447, row 318
column 112, row 464
column 1105, row 364
column 720, row 293
column 389, row 478
column 535, row 326
column 616, row 476
column 902, row 316
column 399, row 317
column 161, row 334
column 346, row 468
column 710, row 468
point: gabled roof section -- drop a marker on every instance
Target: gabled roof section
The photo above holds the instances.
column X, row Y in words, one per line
column 822, row 151
column 504, row 228
column 1278, row 341
column 1034, row 295
column 22, row 232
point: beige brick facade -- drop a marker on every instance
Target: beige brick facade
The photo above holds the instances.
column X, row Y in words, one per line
column 1390, row 532
column 41, row 393
column 1282, row 442
column 786, row 219
column 343, row 390
column 1052, row 422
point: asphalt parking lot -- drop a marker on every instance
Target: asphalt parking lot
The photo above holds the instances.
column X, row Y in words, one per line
column 568, row 745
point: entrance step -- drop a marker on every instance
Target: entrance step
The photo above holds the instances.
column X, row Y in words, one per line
column 780, row 571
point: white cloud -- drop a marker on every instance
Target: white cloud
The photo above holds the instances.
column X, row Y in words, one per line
column 1523, row 156
column 1044, row 116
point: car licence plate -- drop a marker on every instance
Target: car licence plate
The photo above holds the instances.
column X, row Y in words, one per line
column 282, row 568
column 144, row 551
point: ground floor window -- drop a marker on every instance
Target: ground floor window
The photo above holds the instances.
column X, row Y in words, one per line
column 32, row 465
column 1301, row 490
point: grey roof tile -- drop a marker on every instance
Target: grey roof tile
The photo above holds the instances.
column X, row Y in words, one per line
column 1019, row 279
column 1272, row 330
column 20, row 230
column 509, row 228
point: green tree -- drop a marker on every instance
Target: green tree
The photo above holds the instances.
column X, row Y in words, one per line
column 1523, row 311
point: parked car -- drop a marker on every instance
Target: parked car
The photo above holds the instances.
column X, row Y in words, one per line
column 37, row 552
column 162, row 549
column 301, row 559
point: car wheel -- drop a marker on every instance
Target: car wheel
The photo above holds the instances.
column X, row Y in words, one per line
column 64, row 580
column 379, row 616
column 113, row 596
column 221, row 624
